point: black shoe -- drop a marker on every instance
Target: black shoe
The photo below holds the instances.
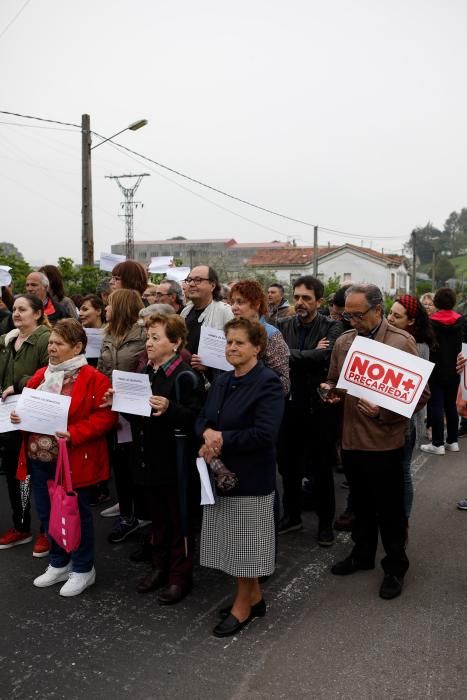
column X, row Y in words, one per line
column 288, row 524
column 173, row 594
column 257, row 610
column 391, row 587
column 326, row 537
column 154, row 579
column 230, row 625
column 349, row 566
column 123, row 528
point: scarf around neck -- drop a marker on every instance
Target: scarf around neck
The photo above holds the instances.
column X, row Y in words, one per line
column 56, row 374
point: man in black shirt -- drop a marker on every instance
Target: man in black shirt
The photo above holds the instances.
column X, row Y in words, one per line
column 304, row 445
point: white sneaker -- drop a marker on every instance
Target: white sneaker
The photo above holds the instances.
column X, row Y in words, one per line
column 143, row 523
column 452, row 447
column 77, row 583
column 53, row 574
column 111, row 512
column 433, row 449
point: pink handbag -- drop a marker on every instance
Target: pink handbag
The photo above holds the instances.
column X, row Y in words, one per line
column 64, row 522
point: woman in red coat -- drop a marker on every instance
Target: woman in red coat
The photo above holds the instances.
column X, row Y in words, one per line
column 69, row 374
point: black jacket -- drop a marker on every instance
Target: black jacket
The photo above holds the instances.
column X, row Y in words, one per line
column 154, row 460
column 248, row 411
column 449, row 329
column 309, row 365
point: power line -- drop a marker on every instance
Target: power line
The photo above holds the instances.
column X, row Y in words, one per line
column 5, row 29
column 211, row 187
column 36, row 126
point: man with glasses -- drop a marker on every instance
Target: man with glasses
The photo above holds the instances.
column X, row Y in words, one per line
column 373, row 449
column 150, row 294
column 170, row 292
column 203, row 308
column 304, row 443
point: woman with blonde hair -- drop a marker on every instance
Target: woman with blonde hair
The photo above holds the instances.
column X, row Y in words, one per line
column 123, row 342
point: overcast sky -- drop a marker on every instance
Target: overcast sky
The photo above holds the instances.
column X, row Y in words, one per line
column 350, row 114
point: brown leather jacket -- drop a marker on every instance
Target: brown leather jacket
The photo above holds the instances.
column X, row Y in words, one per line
column 387, row 430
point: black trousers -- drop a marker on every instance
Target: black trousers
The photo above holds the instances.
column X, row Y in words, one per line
column 443, row 403
column 377, row 483
column 305, row 449
column 11, row 445
column 130, row 495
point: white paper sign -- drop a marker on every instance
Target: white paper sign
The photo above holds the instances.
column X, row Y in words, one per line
column 160, row 264
column 464, row 373
column 94, row 344
column 132, row 392
column 207, row 496
column 5, row 277
column 43, row 412
column 108, row 261
column 386, row 376
column 178, row 274
column 6, row 407
column 211, row 348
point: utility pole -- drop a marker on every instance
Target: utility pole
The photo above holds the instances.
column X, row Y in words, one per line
column 315, row 251
column 414, row 263
column 87, row 238
column 129, row 205
column 433, row 273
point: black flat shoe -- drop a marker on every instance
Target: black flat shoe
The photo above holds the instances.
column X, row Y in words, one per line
column 257, row 610
column 349, row 566
column 391, row 587
column 230, row 625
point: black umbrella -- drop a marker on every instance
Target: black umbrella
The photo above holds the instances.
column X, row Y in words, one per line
column 25, row 493
column 183, row 468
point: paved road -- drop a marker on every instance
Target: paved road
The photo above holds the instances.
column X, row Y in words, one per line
column 324, row 637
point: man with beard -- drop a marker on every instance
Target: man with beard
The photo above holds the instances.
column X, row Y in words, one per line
column 304, row 448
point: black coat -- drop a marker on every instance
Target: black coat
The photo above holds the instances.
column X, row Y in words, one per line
column 153, row 450
column 308, row 366
column 248, row 411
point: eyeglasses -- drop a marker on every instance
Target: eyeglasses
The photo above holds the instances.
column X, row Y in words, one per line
column 357, row 316
column 196, row 280
column 147, row 296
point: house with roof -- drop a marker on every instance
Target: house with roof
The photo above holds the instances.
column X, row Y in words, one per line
column 349, row 262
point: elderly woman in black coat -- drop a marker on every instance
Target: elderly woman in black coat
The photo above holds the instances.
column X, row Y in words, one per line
column 240, row 424
column 177, row 397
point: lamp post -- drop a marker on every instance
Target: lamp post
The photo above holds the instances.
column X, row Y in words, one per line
column 87, row 235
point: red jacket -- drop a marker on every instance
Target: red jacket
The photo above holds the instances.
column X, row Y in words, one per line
column 87, row 425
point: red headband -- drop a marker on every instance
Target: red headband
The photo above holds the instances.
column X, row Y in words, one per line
column 410, row 304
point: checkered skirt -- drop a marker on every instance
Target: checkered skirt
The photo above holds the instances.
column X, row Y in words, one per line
column 238, row 536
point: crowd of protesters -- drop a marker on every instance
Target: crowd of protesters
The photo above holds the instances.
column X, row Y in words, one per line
column 276, row 410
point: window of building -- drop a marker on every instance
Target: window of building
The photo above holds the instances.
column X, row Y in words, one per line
column 393, row 280
column 347, row 276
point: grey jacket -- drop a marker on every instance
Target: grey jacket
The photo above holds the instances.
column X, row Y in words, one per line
column 122, row 354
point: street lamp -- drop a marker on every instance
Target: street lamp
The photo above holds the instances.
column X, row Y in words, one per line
column 87, row 236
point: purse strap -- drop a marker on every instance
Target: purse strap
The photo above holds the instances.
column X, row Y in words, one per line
column 63, row 471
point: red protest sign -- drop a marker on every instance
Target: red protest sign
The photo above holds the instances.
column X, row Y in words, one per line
column 383, row 377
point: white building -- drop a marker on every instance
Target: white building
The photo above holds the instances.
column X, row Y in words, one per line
column 348, row 262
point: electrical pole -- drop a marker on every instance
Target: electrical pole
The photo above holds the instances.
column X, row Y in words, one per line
column 129, row 205
column 433, row 273
column 87, row 237
column 414, row 263
column 315, row 251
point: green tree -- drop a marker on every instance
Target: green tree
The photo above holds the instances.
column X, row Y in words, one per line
column 20, row 269
column 444, row 270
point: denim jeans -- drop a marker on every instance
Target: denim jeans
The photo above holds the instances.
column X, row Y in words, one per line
column 408, row 485
column 83, row 558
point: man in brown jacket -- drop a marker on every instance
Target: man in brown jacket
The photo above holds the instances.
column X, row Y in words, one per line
column 372, row 449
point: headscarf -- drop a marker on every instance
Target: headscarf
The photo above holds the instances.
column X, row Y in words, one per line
column 410, row 304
